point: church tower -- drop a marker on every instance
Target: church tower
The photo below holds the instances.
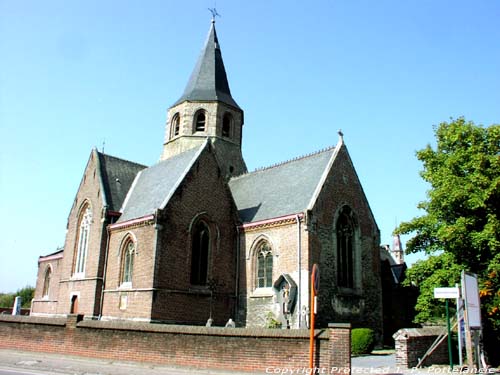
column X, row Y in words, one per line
column 206, row 109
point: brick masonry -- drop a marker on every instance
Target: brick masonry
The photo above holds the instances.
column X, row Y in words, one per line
column 413, row 343
column 200, row 347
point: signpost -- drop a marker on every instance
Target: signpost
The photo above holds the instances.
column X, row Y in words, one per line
column 472, row 315
column 447, row 293
column 313, row 308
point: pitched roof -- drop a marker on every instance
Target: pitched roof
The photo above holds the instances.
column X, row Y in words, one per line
column 208, row 81
column 280, row 190
column 153, row 187
column 117, row 177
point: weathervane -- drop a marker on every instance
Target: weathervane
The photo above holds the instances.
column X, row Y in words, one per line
column 214, row 13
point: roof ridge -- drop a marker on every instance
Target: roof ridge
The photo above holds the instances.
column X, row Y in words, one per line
column 122, row 159
column 305, row 156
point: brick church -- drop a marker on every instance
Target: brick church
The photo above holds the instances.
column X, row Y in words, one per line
column 197, row 237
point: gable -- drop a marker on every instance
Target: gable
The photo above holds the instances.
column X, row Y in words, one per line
column 281, row 190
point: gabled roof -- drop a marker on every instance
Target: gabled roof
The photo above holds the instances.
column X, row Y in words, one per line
column 208, row 81
column 117, row 177
column 281, row 190
column 153, row 187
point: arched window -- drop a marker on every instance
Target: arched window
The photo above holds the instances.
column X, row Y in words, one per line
column 176, row 125
column 46, row 282
column 345, row 249
column 226, row 125
column 200, row 121
column 199, row 254
column 264, row 266
column 83, row 240
column 127, row 262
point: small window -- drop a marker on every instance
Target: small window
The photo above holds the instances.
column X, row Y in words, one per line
column 127, row 262
column 200, row 121
column 264, row 266
column 46, row 282
column 226, row 125
column 176, row 125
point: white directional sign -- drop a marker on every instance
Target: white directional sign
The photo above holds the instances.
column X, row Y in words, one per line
column 446, row 293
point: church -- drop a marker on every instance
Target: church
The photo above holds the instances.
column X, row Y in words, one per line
column 198, row 239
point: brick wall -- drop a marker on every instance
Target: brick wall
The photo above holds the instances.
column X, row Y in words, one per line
column 47, row 304
column 201, row 347
column 413, row 343
column 361, row 305
column 89, row 285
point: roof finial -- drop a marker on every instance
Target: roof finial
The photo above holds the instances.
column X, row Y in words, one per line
column 214, row 12
column 341, row 136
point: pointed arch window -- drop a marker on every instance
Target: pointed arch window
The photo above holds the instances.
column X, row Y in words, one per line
column 46, row 282
column 199, row 254
column 127, row 262
column 227, row 121
column 345, row 249
column 83, row 241
column 176, row 125
column 200, row 121
column 264, row 266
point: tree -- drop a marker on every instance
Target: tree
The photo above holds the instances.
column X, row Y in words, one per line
column 461, row 225
column 26, row 293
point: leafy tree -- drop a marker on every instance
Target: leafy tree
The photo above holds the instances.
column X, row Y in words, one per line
column 6, row 300
column 461, row 223
column 436, row 271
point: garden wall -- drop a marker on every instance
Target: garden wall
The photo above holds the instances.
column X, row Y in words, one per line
column 190, row 346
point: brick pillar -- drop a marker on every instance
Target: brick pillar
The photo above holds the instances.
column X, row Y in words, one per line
column 72, row 320
column 339, row 348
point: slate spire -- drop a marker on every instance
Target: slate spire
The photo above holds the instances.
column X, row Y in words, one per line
column 208, row 81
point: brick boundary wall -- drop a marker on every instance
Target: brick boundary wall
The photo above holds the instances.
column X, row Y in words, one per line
column 413, row 343
column 188, row 346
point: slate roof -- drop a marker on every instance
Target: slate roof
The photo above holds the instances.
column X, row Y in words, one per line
column 208, row 81
column 281, row 190
column 117, row 177
column 153, row 187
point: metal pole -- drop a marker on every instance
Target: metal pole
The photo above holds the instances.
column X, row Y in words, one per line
column 449, row 334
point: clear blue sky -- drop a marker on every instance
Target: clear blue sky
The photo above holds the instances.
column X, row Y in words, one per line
column 76, row 73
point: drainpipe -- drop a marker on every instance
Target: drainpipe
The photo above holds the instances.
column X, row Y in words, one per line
column 237, row 294
column 104, row 272
column 299, row 265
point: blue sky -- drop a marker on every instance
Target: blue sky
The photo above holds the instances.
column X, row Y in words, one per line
column 76, row 74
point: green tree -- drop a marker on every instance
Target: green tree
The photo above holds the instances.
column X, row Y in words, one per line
column 461, row 225
column 26, row 293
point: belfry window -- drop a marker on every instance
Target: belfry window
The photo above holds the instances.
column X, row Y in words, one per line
column 83, row 241
column 127, row 262
column 199, row 254
column 345, row 249
column 264, row 266
column 46, row 282
column 200, row 121
column 226, row 125
column 176, row 125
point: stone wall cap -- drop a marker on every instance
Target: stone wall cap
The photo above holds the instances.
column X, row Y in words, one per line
column 33, row 320
column 201, row 330
column 339, row 325
column 406, row 333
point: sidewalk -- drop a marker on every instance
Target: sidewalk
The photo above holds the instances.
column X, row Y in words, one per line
column 55, row 364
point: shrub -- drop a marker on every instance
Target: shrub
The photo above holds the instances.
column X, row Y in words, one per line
column 272, row 322
column 362, row 341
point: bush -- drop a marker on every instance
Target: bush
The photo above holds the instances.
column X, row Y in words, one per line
column 362, row 341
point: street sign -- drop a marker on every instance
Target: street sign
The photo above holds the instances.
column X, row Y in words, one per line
column 315, row 277
column 446, row 293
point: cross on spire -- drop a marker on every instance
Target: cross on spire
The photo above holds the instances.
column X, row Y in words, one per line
column 214, row 13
